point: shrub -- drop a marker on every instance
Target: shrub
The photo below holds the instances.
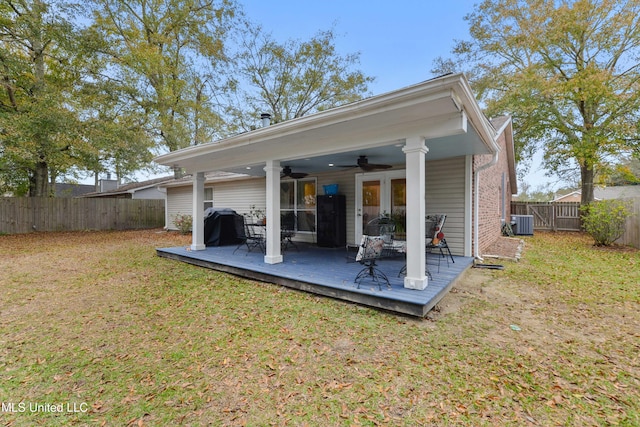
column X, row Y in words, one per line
column 183, row 222
column 604, row 220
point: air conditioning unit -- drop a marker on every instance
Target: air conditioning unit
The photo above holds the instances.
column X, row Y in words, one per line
column 522, row 225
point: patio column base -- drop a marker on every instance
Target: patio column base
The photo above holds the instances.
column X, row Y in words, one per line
column 198, row 247
column 418, row 284
column 273, row 259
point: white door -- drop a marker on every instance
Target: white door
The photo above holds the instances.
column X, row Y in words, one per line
column 378, row 193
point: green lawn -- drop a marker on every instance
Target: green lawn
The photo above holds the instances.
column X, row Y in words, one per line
column 98, row 326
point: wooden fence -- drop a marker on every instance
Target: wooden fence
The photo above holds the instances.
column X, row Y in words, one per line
column 631, row 235
column 27, row 214
column 563, row 216
column 566, row 216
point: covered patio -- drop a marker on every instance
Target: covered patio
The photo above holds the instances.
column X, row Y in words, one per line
column 435, row 120
column 331, row 272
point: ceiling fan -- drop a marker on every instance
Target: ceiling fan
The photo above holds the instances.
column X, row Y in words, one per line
column 288, row 173
column 363, row 163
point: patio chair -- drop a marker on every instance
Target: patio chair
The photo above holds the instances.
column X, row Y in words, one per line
column 385, row 227
column 435, row 237
column 370, row 250
column 288, row 230
column 247, row 236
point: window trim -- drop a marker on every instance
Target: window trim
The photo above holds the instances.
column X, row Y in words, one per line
column 207, row 201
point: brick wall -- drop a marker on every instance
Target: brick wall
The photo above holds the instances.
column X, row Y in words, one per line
column 490, row 198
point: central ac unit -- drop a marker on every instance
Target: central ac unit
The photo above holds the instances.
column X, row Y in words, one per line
column 522, row 225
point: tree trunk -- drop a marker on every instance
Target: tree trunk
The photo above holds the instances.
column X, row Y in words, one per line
column 39, row 182
column 586, row 176
column 39, row 185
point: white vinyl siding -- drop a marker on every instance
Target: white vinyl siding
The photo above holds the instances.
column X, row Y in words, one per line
column 445, row 194
column 179, row 202
column 240, row 195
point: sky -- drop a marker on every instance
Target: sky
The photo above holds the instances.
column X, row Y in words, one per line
column 397, row 41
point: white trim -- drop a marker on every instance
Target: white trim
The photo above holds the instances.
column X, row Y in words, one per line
column 468, row 205
column 197, row 215
column 274, row 254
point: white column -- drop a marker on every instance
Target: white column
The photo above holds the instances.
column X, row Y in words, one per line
column 273, row 171
column 197, row 229
column 415, row 151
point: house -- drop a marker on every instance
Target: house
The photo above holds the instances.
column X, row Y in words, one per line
column 149, row 189
column 422, row 149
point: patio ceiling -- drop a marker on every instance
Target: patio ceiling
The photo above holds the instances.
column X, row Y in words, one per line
column 442, row 110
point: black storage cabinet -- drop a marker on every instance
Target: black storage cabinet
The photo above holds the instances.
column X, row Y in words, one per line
column 332, row 221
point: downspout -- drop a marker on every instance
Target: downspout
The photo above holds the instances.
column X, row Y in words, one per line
column 476, row 208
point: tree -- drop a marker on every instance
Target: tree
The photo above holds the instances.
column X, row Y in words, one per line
column 160, row 50
column 38, row 127
column 626, row 172
column 568, row 73
column 116, row 131
column 294, row 78
column 541, row 193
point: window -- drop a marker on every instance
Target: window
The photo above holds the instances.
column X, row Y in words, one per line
column 299, row 197
column 208, row 198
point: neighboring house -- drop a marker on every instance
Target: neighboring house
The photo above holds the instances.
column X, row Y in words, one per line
column 136, row 190
column 603, row 193
column 574, row 196
column 422, row 149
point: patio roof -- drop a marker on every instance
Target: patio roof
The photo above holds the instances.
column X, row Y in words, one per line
column 327, row 272
column 442, row 110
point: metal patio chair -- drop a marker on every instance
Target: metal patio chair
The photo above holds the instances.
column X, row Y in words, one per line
column 370, row 250
column 288, row 230
column 247, row 236
column 435, row 237
column 385, row 227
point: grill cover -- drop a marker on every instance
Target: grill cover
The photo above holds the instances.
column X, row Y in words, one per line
column 219, row 227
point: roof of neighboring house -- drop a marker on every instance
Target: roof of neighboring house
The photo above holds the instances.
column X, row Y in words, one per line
column 617, row 192
column 604, row 193
column 131, row 187
column 64, row 189
column 573, row 194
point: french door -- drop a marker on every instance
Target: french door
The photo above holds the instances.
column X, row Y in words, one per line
column 379, row 193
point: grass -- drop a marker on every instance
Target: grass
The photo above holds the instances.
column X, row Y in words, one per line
column 96, row 321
